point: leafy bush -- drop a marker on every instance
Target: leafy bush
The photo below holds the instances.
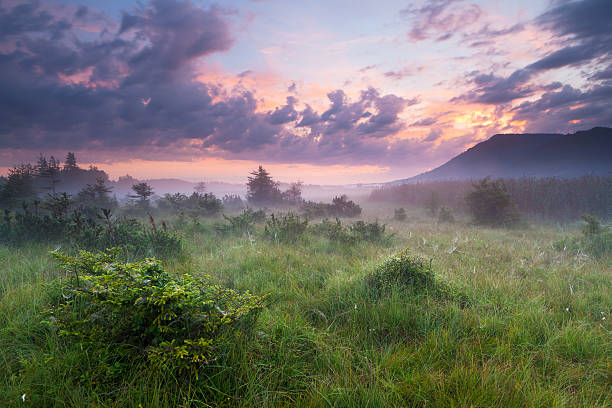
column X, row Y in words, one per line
column 232, row 202
column 285, row 227
column 179, row 323
column 368, row 231
column 399, row 214
column 341, row 206
column 76, row 230
column 403, row 270
column 242, row 223
column 490, row 204
column 596, row 239
column 197, row 203
column 445, row 215
column 358, row 231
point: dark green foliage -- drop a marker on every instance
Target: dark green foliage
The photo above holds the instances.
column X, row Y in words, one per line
column 597, row 239
column 142, row 192
column 403, row 270
column 232, row 202
column 445, row 215
column 95, row 196
column 146, row 314
column 340, row 206
column 552, row 198
column 359, row 231
column 54, row 222
column 286, row 228
column 242, row 224
column 399, row 214
column 204, row 204
column 262, row 190
column 490, row 204
column 343, row 207
column 371, row 231
column 312, row 209
column 19, row 186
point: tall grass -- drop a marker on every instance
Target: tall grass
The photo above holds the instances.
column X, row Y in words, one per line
column 534, row 333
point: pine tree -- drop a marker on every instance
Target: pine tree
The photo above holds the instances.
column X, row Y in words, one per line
column 143, row 192
column 262, row 189
column 70, row 164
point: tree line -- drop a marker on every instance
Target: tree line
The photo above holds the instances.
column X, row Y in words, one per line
column 549, row 198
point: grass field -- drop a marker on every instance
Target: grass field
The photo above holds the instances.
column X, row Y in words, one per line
column 535, row 330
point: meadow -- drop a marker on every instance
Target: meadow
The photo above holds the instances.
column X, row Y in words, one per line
column 528, row 324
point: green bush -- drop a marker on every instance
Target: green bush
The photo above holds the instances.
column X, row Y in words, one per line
column 403, row 270
column 490, row 204
column 242, row 223
column 596, row 239
column 286, row 228
column 146, row 314
column 368, row 231
column 358, row 231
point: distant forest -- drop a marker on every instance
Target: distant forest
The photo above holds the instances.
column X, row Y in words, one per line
column 549, row 198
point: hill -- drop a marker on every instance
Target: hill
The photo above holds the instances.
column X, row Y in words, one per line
column 530, row 155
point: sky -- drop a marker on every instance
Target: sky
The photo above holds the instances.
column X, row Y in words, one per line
column 327, row 92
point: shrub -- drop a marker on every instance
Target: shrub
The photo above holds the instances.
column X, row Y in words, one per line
column 242, row 223
column 343, row 207
column 206, row 204
column 403, row 270
column 597, row 239
column 79, row 231
column 147, row 314
column 358, row 231
column 368, row 231
column 285, row 227
column 445, row 215
column 400, row 214
column 233, row 202
column 490, row 204
column 312, row 209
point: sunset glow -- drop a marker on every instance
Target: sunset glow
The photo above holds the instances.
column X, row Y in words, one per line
column 328, row 93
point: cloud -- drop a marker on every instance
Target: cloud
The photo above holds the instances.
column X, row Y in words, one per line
column 136, row 92
column 568, row 109
column 440, row 19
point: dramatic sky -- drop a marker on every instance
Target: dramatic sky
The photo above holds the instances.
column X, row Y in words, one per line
column 327, row 91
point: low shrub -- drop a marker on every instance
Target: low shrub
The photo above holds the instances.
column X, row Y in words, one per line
column 356, row 232
column 178, row 323
column 340, row 206
column 403, row 270
column 286, row 228
column 76, row 230
column 372, row 231
column 596, row 239
column 242, row 223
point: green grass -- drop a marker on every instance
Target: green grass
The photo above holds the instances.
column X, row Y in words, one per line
column 535, row 331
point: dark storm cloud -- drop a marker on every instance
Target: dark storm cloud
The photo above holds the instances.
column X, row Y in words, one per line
column 554, row 110
column 135, row 91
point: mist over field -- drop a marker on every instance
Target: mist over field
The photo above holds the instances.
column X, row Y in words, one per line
column 267, row 203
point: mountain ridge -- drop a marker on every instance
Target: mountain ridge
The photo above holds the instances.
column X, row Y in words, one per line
column 529, row 155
